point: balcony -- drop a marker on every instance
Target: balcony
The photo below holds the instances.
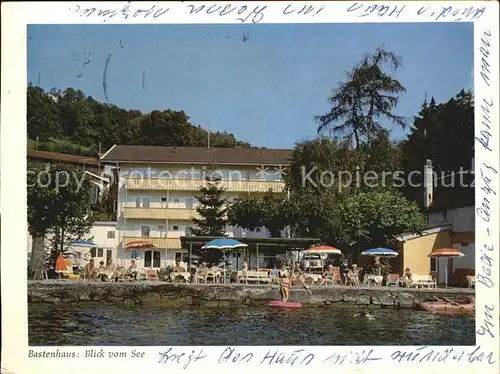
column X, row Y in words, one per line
column 169, row 243
column 160, row 213
column 155, row 184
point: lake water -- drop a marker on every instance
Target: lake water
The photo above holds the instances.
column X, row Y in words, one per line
column 98, row 324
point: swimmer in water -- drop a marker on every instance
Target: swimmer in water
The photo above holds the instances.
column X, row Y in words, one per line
column 364, row 314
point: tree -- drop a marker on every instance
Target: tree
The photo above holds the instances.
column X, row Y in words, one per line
column 319, row 164
column 438, row 131
column 59, row 204
column 105, row 206
column 69, row 122
column 247, row 212
column 376, row 218
column 43, row 115
column 368, row 95
column 252, row 212
column 212, row 210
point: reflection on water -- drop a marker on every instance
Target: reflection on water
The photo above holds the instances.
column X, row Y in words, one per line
column 95, row 324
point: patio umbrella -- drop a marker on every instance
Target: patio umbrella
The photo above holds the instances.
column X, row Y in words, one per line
column 60, row 264
column 139, row 244
column 224, row 244
column 380, row 252
column 323, row 249
column 83, row 244
column 445, row 253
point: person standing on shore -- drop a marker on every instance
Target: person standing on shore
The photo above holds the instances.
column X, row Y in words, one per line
column 244, row 273
column 285, row 287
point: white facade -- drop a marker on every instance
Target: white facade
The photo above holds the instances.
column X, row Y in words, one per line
column 148, row 229
column 106, row 237
column 461, row 220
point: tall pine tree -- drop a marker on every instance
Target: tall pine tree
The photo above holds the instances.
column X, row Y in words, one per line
column 212, row 209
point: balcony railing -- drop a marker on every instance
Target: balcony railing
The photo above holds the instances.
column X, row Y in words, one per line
column 169, row 243
column 195, row 184
column 160, row 213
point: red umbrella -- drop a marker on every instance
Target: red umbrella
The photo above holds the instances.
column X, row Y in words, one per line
column 446, row 253
column 323, row 249
column 139, row 244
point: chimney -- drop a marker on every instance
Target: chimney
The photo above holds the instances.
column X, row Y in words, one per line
column 428, row 184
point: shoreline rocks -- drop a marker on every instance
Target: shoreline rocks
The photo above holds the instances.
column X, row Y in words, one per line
column 218, row 295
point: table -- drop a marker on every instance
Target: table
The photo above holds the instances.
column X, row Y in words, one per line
column 184, row 274
column 371, row 279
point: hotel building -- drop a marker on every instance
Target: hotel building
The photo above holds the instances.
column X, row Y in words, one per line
column 157, row 189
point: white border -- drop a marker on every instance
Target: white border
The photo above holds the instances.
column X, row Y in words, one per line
column 15, row 17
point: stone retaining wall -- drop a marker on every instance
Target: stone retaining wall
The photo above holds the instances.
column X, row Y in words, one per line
column 226, row 295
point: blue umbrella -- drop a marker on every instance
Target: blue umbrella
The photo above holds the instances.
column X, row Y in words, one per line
column 224, row 244
column 84, row 243
column 380, row 252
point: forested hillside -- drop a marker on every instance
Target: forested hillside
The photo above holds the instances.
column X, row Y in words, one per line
column 70, row 122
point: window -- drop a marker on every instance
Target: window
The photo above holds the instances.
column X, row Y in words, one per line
column 152, row 259
column 189, row 203
column 175, row 200
column 181, row 257
column 161, row 228
column 92, row 252
column 145, row 231
column 111, row 234
column 164, row 199
column 433, row 265
column 100, row 252
column 145, row 202
column 137, row 202
column 175, row 228
column 188, row 232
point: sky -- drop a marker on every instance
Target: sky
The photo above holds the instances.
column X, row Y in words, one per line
column 264, row 83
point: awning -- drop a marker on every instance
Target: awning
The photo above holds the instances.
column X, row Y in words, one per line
column 139, row 244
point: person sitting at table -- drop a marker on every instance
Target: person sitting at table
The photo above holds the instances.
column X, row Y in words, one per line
column 110, row 269
column 89, row 271
column 201, row 273
column 273, row 274
column 344, row 270
column 178, row 268
column 132, row 269
column 353, row 275
column 102, row 272
column 377, row 267
column 328, row 275
column 406, row 278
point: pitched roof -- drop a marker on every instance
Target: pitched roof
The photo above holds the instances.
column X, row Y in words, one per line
column 197, row 155
column 62, row 157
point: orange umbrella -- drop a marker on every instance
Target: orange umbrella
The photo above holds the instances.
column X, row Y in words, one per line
column 323, row 249
column 445, row 253
column 60, row 263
